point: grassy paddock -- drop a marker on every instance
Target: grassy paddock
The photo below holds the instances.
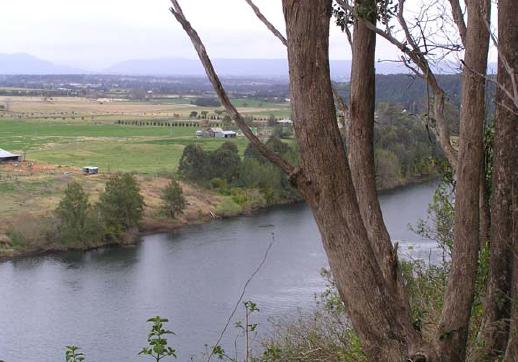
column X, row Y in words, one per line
column 112, row 147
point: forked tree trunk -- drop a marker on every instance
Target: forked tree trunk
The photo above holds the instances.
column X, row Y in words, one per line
column 454, row 326
column 497, row 305
column 373, row 307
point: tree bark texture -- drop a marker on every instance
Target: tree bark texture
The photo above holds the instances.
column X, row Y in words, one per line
column 454, row 325
column 497, row 305
column 361, row 145
column 507, row 115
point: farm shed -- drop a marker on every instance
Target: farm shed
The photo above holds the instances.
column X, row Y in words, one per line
column 6, row 156
column 90, row 170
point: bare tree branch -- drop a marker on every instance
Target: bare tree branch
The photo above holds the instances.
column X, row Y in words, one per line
column 265, row 21
column 458, row 18
column 286, row 167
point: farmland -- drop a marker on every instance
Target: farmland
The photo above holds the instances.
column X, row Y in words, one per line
column 61, row 135
column 70, row 131
column 112, row 147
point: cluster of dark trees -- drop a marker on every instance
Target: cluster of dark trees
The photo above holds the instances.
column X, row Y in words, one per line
column 119, row 209
column 224, row 168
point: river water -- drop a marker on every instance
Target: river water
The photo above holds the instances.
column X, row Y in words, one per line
column 100, row 300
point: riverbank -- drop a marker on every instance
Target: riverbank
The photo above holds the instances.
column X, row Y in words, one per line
column 32, row 192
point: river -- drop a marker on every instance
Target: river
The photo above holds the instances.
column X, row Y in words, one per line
column 100, row 300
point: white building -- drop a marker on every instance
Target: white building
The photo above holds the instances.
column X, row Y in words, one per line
column 6, row 156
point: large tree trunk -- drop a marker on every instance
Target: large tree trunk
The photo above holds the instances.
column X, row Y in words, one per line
column 502, row 300
column 511, row 354
column 374, row 309
column 361, row 138
column 454, row 326
column 495, row 327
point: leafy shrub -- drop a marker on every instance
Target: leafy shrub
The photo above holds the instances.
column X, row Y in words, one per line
column 239, row 196
column 173, row 201
column 228, row 208
column 157, row 347
column 72, row 354
column 121, row 206
column 219, row 184
column 72, row 213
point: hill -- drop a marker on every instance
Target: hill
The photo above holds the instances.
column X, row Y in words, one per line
column 21, row 63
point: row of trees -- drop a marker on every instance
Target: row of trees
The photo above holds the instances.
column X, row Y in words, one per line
column 340, row 186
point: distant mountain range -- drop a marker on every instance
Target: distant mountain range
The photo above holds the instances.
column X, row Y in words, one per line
column 22, row 63
column 261, row 68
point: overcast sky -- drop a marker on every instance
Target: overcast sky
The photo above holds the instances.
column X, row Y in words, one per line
column 94, row 34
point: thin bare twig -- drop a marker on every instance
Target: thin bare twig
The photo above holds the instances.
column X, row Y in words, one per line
column 284, row 165
column 243, row 291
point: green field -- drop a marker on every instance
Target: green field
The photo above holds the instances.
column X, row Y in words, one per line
column 112, row 147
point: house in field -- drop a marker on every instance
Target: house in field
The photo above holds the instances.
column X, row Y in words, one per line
column 90, row 170
column 228, row 134
column 6, row 156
